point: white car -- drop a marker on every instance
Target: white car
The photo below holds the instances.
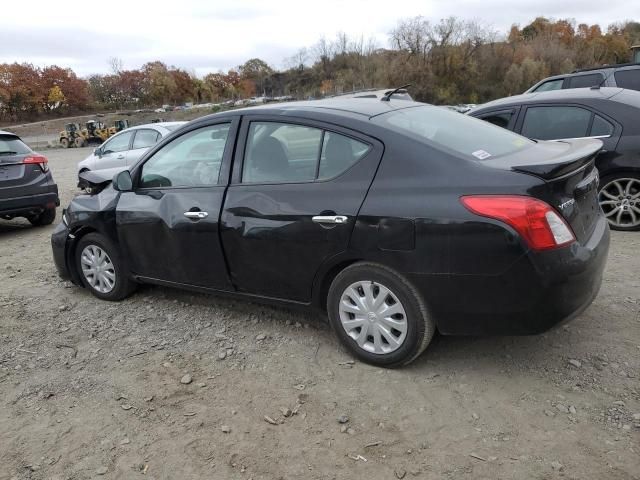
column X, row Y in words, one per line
column 126, row 147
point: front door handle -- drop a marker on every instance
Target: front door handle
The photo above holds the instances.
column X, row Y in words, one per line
column 196, row 215
column 120, row 157
column 333, row 219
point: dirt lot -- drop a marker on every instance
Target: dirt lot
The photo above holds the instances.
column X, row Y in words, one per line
column 93, row 390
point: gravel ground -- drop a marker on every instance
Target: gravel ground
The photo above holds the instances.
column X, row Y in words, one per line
column 170, row 385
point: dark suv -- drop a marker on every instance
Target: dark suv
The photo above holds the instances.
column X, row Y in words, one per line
column 625, row 75
column 27, row 188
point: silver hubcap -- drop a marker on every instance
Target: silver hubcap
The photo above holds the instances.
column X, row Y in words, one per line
column 620, row 202
column 98, row 269
column 373, row 316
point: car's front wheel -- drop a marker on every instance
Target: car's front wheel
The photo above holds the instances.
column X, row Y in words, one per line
column 102, row 269
column 619, row 198
column 379, row 315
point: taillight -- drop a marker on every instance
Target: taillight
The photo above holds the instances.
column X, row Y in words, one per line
column 534, row 220
column 40, row 160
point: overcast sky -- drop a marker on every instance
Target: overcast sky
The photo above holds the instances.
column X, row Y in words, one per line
column 209, row 35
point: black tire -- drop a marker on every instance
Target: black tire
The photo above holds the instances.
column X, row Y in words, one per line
column 623, row 178
column 123, row 285
column 420, row 328
column 45, row 218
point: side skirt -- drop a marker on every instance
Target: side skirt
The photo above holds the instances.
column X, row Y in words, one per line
column 227, row 293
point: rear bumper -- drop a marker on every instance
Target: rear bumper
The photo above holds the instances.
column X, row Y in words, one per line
column 32, row 204
column 539, row 291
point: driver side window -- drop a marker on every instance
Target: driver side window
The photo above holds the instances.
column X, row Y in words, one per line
column 191, row 160
column 119, row 143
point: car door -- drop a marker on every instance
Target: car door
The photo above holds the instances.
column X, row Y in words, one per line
column 113, row 153
column 168, row 225
column 143, row 139
column 295, row 194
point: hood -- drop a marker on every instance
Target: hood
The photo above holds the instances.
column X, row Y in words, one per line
column 93, row 181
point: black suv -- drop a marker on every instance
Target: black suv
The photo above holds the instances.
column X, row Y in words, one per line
column 624, row 75
column 608, row 114
column 27, row 188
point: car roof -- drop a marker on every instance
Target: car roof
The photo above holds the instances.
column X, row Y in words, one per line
column 339, row 106
column 156, row 124
column 4, row 132
column 614, row 66
column 565, row 95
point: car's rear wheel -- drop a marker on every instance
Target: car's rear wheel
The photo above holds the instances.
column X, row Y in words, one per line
column 379, row 315
column 45, row 218
column 101, row 268
column 619, row 198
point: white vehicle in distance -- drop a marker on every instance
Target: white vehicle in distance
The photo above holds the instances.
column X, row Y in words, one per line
column 126, row 147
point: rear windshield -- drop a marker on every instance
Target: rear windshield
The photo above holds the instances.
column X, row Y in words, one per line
column 12, row 145
column 472, row 138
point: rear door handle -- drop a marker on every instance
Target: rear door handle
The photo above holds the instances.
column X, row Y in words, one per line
column 120, row 157
column 333, row 219
column 196, row 215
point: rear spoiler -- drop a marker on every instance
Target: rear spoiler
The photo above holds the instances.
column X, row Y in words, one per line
column 552, row 159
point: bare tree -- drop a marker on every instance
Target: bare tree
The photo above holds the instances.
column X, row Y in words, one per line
column 299, row 59
column 115, row 64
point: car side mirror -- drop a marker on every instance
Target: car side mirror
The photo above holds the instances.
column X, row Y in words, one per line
column 98, row 152
column 122, row 181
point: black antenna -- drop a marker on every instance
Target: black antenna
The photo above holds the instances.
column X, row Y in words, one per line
column 597, row 87
column 387, row 97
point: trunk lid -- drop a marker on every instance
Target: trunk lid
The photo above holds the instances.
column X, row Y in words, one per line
column 570, row 179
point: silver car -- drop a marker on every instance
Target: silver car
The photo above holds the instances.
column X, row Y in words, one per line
column 126, row 147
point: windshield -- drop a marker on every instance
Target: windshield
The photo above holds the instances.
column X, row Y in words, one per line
column 474, row 139
column 12, row 145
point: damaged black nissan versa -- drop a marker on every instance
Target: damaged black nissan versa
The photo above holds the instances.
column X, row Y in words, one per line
column 396, row 217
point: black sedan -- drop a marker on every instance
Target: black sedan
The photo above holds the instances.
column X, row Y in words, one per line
column 395, row 217
column 609, row 114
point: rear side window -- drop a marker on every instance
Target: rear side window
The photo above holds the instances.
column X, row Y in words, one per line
column 281, row 153
column 628, row 79
column 338, row 154
column 550, row 85
column 12, row 145
column 584, row 81
column 601, row 127
column 442, row 128
column 145, row 138
column 501, row 119
column 553, row 123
